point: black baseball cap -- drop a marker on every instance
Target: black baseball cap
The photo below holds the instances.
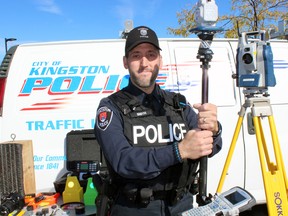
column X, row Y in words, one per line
column 138, row 35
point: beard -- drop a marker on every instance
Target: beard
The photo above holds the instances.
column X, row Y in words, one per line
column 144, row 82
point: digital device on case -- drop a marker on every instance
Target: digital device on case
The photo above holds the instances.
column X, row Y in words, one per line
column 231, row 202
column 83, row 152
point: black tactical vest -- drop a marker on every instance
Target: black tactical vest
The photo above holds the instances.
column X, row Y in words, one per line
column 143, row 129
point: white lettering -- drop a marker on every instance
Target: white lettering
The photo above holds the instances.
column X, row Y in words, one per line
column 153, row 133
column 175, row 127
column 183, row 130
column 170, row 132
column 141, row 133
column 161, row 138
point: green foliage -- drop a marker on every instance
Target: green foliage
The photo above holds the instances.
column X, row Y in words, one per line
column 245, row 15
column 186, row 22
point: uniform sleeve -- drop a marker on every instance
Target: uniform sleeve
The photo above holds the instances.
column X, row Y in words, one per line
column 192, row 119
column 128, row 161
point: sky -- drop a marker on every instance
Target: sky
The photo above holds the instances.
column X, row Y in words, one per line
column 57, row 20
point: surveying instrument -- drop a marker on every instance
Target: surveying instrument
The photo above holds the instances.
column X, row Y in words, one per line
column 206, row 15
column 255, row 73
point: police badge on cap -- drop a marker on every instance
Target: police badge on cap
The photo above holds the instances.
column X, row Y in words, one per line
column 104, row 117
column 138, row 35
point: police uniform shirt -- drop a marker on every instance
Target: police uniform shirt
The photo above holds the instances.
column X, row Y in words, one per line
column 126, row 160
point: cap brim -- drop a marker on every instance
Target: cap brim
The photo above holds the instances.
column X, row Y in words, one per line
column 140, row 42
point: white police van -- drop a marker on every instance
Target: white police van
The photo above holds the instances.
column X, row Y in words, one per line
column 49, row 89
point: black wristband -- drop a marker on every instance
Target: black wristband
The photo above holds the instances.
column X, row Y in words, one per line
column 176, row 152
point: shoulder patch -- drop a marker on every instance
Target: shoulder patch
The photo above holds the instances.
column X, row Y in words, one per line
column 104, row 117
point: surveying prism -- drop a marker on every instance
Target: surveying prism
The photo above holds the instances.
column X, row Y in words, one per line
column 255, row 73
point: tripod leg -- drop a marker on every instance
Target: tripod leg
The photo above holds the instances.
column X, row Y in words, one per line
column 231, row 151
column 279, row 158
column 262, row 140
column 274, row 182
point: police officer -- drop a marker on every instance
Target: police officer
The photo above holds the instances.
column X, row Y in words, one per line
column 152, row 139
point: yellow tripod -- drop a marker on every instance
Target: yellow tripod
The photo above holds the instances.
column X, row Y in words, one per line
column 274, row 175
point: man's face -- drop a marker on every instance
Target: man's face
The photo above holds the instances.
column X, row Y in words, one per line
column 143, row 63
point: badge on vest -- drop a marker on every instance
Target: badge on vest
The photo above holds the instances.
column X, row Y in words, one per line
column 104, row 117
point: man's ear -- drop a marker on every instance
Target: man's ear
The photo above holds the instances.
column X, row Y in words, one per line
column 125, row 62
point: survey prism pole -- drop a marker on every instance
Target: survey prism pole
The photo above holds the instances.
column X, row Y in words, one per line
column 205, row 55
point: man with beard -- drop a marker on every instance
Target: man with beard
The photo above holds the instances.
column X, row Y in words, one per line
column 153, row 139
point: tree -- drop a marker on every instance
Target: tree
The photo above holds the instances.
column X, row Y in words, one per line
column 248, row 15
